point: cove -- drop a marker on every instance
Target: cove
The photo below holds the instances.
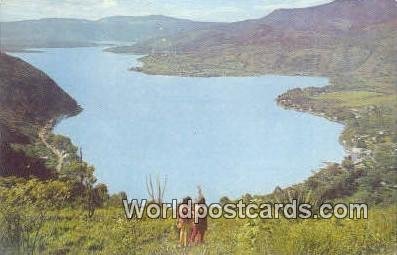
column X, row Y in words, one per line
column 226, row 134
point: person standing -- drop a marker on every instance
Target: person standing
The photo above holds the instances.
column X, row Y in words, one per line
column 185, row 220
column 199, row 227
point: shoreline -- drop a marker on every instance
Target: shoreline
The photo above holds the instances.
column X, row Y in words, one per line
column 279, row 105
column 329, row 87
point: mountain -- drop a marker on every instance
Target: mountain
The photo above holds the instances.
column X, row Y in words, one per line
column 29, row 100
column 339, row 37
column 58, row 32
column 340, row 15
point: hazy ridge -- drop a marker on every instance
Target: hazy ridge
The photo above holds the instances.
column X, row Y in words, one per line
column 61, row 32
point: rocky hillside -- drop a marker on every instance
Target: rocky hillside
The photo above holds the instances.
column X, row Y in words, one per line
column 29, row 99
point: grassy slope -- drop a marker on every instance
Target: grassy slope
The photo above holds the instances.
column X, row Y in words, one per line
column 54, row 224
column 69, row 232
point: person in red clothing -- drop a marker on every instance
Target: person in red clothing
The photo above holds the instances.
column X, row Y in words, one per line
column 199, row 227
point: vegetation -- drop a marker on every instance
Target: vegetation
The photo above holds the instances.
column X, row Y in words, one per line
column 40, row 217
column 48, row 206
column 23, row 89
column 369, row 174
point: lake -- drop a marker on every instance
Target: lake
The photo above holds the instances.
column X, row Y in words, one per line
column 226, row 134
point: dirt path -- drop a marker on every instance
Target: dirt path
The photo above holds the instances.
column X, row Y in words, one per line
column 43, row 135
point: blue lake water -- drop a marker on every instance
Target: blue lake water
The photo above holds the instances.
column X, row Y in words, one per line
column 226, row 134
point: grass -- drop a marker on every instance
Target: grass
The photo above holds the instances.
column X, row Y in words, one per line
column 362, row 96
column 357, row 98
column 69, row 232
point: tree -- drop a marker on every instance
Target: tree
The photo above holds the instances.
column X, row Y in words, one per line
column 224, row 200
column 82, row 179
column 100, row 195
column 116, row 199
column 348, row 164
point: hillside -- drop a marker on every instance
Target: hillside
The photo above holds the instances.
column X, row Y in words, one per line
column 340, row 37
column 80, row 32
column 29, row 99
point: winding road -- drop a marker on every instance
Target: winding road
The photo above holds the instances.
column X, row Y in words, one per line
column 43, row 135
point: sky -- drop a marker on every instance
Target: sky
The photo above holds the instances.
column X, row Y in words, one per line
column 201, row 10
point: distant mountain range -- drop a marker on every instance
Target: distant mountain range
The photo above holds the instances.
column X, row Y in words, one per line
column 59, row 32
column 338, row 37
column 337, row 16
column 341, row 17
